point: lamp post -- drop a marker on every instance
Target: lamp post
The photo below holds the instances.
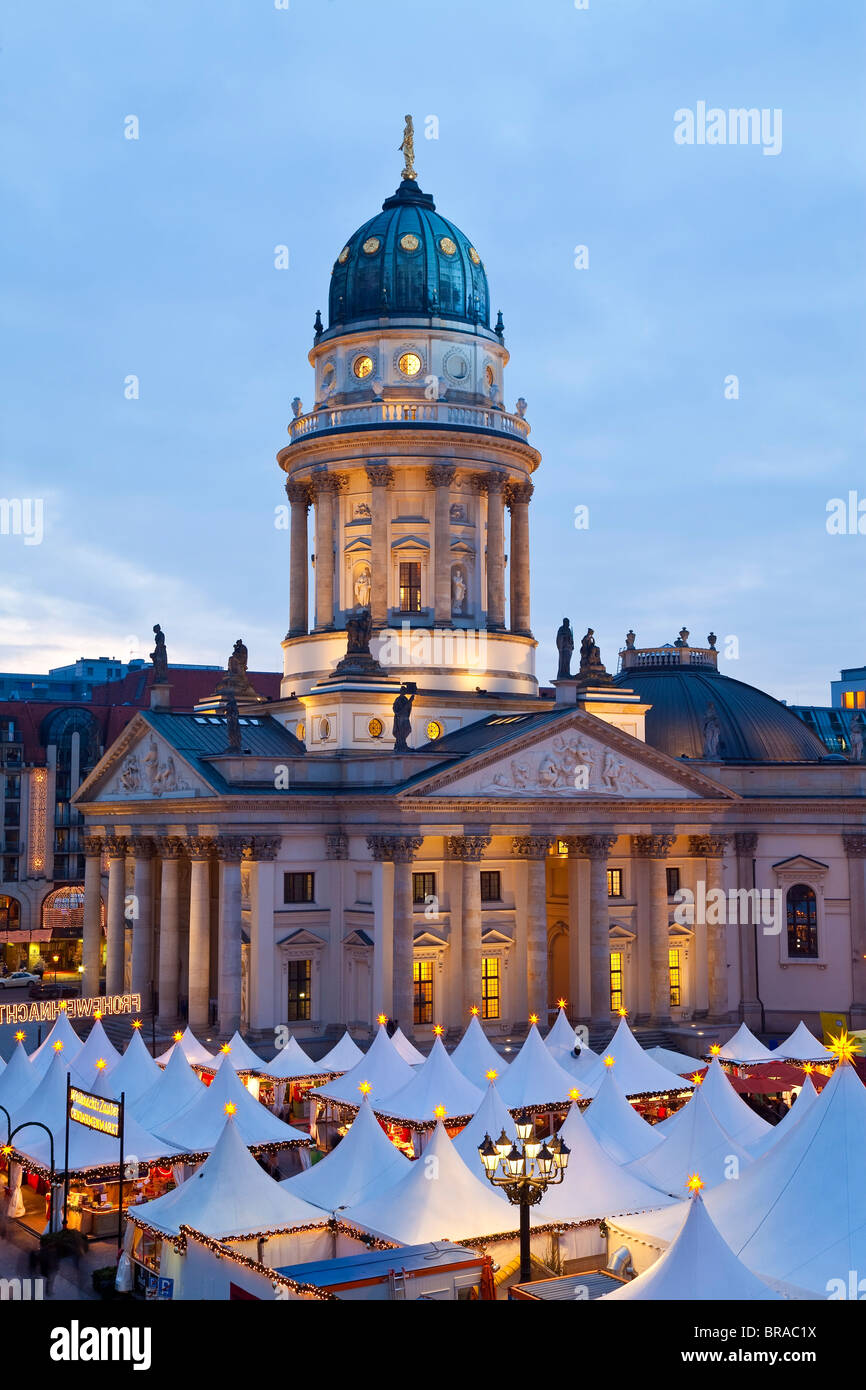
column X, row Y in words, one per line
column 524, row 1171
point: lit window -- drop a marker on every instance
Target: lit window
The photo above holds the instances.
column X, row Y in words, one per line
column 422, row 975
column 299, row 888
column 409, row 364
column 299, row 990
column 674, row 973
column 614, row 883
column 362, row 366
column 490, row 978
column 615, row 980
column 410, row 586
column 854, row 699
column 802, row 922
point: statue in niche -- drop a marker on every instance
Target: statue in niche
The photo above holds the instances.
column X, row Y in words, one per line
column 359, row 627
column 856, row 731
column 233, row 724
column 364, row 587
column 458, row 591
column 159, row 656
column 712, row 731
column 402, row 726
column 565, row 647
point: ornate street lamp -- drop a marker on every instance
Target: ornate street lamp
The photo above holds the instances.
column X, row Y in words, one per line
column 524, row 1171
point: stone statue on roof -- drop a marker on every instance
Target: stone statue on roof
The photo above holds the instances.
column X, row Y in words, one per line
column 159, row 656
column 857, row 731
column 565, row 647
column 402, row 727
column 233, row 724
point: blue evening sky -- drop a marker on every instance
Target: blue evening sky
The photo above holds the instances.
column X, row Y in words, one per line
column 261, row 126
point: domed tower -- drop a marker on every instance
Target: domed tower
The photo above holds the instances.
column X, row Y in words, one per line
column 412, row 466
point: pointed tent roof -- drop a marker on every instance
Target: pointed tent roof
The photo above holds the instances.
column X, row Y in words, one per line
column 195, row 1052
column 2, row 1066
column 382, row 1067
column 98, row 1046
column 64, row 1032
column 678, row 1062
column 637, row 1073
column 134, row 1073
column 292, row 1062
column 491, row 1117
column 229, row 1195
column 19, row 1080
column 621, row 1131
column 561, row 1037
column 199, row 1126
column 407, row 1050
column 174, row 1089
column 475, row 1054
column 801, row 1107
column 698, row 1265
column 561, row 1042
column 457, row 1206
column 693, row 1141
column 594, row 1185
column 734, row 1114
column 363, row 1165
column 239, row 1055
column 802, row 1046
column 342, row 1056
column 535, row 1081
column 437, row 1083
column 744, row 1047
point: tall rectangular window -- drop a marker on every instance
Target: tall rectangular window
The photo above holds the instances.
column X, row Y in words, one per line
column 491, row 886
column 614, row 883
column 673, row 878
column 299, row 888
column 616, row 980
column 410, row 586
column 674, row 973
column 422, row 974
column 299, row 990
column 490, row 980
column 423, row 887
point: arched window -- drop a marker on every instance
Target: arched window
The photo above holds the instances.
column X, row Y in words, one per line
column 63, row 912
column 10, row 914
column 802, row 922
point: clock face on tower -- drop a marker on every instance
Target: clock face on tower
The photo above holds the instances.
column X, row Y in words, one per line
column 409, row 363
column 362, row 366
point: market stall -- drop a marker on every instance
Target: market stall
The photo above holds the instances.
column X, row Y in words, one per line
column 97, row 1048
column 382, row 1070
column 693, row 1141
column 437, row 1091
column 639, row 1076
column 363, row 1165
column 803, row 1046
column 535, row 1083
column 195, row 1052
column 743, row 1049
column 620, row 1129
column 173, row 1090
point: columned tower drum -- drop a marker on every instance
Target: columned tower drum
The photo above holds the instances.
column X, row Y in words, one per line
column 417, row 477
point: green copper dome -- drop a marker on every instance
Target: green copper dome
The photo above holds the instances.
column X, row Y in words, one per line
column 408, row 262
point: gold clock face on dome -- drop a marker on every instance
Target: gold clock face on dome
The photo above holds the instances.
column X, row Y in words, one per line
column 409, row 363
column 343, row 256
column 375, row 728
column 409, row 242
column 434, row 730
column 371, row 245
column 447, row 246
column 474, row 256
column 362, row 366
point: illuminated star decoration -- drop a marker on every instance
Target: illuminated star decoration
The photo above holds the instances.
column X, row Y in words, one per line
column 101, row 1064
column 715, row 1049
column 695, row 1182
column 623, row 1013
column 62, row 1005
column 533, row 1018
column 574, row 1094
column 382, row 1018
column 365, row 1088
column 844, row 1047
column 230, row 1108
column 20, row 1036
column 440, row 1112
column 136, row 1023
column 7, row 1149
column 226, row 1047
column 808, row 1068
column 58, row 1046
column 492, row 1074
column 178, row 1037
column 475, row 1011
column 609, row 1061
column 438, row 1030
column 561, row 1003
column 97, row 1014
column 698, row 1079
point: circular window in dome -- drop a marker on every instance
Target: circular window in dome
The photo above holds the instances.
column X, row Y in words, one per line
column 371, row 245
column 329, row 377
column 409, row 363
column 375, row 728
column 409, row 242
column 434, row 730
column 362, row 366
column 447, row 246
column 456, row 366
column 489, row 375
column 474, row 256
column 343, row 256
column 300, row 732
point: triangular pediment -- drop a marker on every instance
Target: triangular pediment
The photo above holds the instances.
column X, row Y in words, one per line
column 302, row 937
column 142, row 766
column 575, row 757
column 800, row 864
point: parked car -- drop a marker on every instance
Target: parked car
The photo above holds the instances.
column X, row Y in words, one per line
column 18, row 979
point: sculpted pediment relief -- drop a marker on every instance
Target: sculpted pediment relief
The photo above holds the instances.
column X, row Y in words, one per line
column 145, row 769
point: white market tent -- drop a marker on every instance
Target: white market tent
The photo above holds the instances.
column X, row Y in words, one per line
column 491, row 1117
column 733, row 1113
column 174, row 1089
column 693, row 1141
column 195, row 1052
column 535, row 1081
column 697, row 1266
column 62, row 1032
column 803, row 1046
column 97, row 1047
column 2, row 1066
column 292, row 1063
column 744, row 1048
column 678, row 1062
column 455, row 1205
column 229, row 1195
column 561, row 1042
column 638, row 1074
column 363, row 1165
column 408, row 1051
column 19, row 1080
column 341, row 1058
column 133, row 1073
column 198, row 1127
column 475, row 1054
column 594, row 1185
column 382, row 1068
column 437, row 1083
column 801, row 1107
column 239, row 1055
column 622, row 1132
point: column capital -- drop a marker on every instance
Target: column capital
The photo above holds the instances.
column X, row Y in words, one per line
column 469, row 848
column 379, row 473
column 398, row 849
column 708, row 846
column 337, row 845
column 530, row 846
column 230, row 848
column 116, row 846
column 493, row 482
column 323, row 481
column 298, row 494
column 142, row 846
column 745, row 841
column 518, row 492
column 170, row 846
column 652, row 846
column 93, row 846
column 590, row 846
column 440, row 474
column 263, row 848
column 200, row 847
column 855, row 845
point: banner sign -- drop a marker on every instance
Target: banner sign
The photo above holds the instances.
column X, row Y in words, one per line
column 47, row 1010
column 95, row 1112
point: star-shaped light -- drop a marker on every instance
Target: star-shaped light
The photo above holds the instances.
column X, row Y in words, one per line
column 440, row 1112
column 136, row 1023
column 574, row 1094
column 20, row 1035
column 178, row 1037
column 695, row 1182
column 7, row 1149
column 97, row 1014
column 226, row 1048
column 698, row 1079
column 365, row 1088
column 101, row 1064
column 382, row 1018
column 475, row 1011
column 623, row 1013
column 844, row 1047
column 533, row 1018
column 58, row 1046
column 609, row 1061
column 491, row 1074
column 715, row 1049
column 808, row 1068
column 62, row 1005
column 230, row 1108
column 438, row 1030
column 561, row 1003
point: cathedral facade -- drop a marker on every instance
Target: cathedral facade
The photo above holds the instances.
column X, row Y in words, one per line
column 416, row 827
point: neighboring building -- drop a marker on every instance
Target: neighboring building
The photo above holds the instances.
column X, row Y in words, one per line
column 832, row 723
column 304, row 868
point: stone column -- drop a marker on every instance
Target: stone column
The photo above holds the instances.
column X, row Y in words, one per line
column 855, row 848
column 578, row 997
column 746, row 846
column 494, row 484
column 518, row 495
column 142, row 919
column 711, row 848
column 170, row 850
column 263, row 852
column 440, row 476
column 116, row 847
column 655, row 849
column 229, row 850
column 401, row 850
column 533, row 850
column 469, row 850
column 381, row 477
column 596, row 849
column 299, row 497
column 200, row 849
column 92, row 932
column 324, row 486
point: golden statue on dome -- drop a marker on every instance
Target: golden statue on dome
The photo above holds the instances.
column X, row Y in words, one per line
column 407, row 147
